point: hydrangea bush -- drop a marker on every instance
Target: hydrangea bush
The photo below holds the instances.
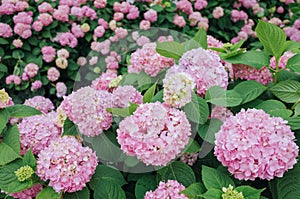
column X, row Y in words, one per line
column 96, row 103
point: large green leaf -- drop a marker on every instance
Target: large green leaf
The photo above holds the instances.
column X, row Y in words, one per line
column 144, row 184
column 249, row 192
column 249, row 90
column 275, row 108
column 294, row 63
column 272, row 38
column 192, row 147
column 149, row 94
column 178, row 171
column 48, row 193
column 70, row 128
column 215, row 179
column 194, row 190
column 20, row 110
column 4, row 117
column 170, row 49
column 109, row 190
column 199, row 40
column 208, row 130
column 218, row 96
column 10, row 146
column 197, row 110
column 256, row 59
column 287, row 187
column 29, row 159
column 84, row 193
column 105, row 174
column 212, row 194
column 294, row 122
column 287, row 91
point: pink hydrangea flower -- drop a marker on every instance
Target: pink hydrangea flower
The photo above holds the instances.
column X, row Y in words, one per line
column 248, row 3
column 252, row 144
column 45, row 7
column 100, row 3
column 28, row 193
column 142, row 41
column 48, row 53
column 179, row 21
column 155, row 134
column 149, row 60
column 169, row 189
column 282, row 61
column 218, row 12
column 5, row 30
column 37, row 84
column 102, row 82
column 66, row 164
column 221, row 113
column 145, row 25
column 89, row 12
column 102, row 22
column 67, row 39
column 23, row 17
column 53, row 74
column 262, row 75
column 21, row 6
column 189, row 158
column 7, row 8
column 13, row 79
column 200, row 4
column 118, row 16
column 62, row 13
column 31, row 70
column 178, row 87
column 41, row 103
column 61, row 89
column 5, row 100
column 124, row 95
column 18, row 43
column 77, row 30
column 99, row 31
column 45, row 18
column 133, row 13
column 194, row 18
column 63, row 53
column 81, row 61
column 205, row 68
column 37, row 132
column 238, row 15
column 87, row 108
column 23, row 30
column 37, row 26
column 185, row 6
column 151, row 15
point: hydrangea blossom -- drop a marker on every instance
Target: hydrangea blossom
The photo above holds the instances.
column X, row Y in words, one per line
column 282, row 61
column 205, row 68
column 221, row 113
column 189, row 158
column 155, row 134
column 149, row 60
column 86, row 107
column 252, row 144
column 66, row 164
column 170, row 189
column 5, row 100
column 178, row 87
column 41, row 103
column 28, row 193
column 102, row 82
column 124, row 95
column 37, row 132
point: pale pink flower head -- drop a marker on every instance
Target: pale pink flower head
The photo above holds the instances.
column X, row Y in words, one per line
column 81, row 61
column 178, row 87
column 31, row 70
column 102, row 22
column 48, row 53
column 169, row 189
column 13, row 79
column 5, row 100
column 118, row 16
column 66, row 164
column 18, row 43
column 86, row 107
column 45, row 18
column 23, row 17
column 21, row 6
column 23, row 30
column 205, row 68
column 282, row 61
column 99, row 31
column 93, row 60
column 145, row 25
column 37, row 26
column 67, row 39
column 121, row 32
column 194, row 17
column 41, row 103
column 179, row 21
column 142, row 41
column 280, row 10
column 63, row 53
column 221, row 113
column 218, row 12
column 37, row 84
column 7, row 9
column 252, row 144
column 149, row 60
column 185, row 6
column 77, row 11
column 89, row 12
column 248, row 3
column 61, row 89
column 189, row 158
column 5, row 30
column 124, row 95
column 45, row 7
column 77, row 30
column 100, row 3
column 37, row 132
column 102, row 82
column 112, row 25
column 200, row 4
column 155, row 134
column 151, row 15
column 62, row 13
column 53, row 74
column 133, row 13
column 203, row 23
column 28, row 193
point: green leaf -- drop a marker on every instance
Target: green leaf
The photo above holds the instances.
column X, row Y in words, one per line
column 249, row 192
column 212, row 194
column 256, row 59
column 158, row 97
column 192, row 147
column 297, row 110
column 194, row 190
column 272, row 38
column 144, row 184
column 178, row 171
column 201, row 38
column 109, row 190
column 9, row 181
column 294, row 122
column 123, row 112
column 4, row 117
column 292, row 46
column 18, row 54
column 70, row 128
column 287, row 91
column 29, row 159
column 197, row 110
column 105, row 174
column 287, row 187
column 20, row 110
column 149, row 94
column 170, row 49
column 249, row 90
column 208, row 130
column 10, row 146
column 275, row 108
column 294, row 63
column 3, row 41
column 48, row 193
column 3, row 68
column 218, row 96
column 157, row 8
column 84, row 193
column 215, row 179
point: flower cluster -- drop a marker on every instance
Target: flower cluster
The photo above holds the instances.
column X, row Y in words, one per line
column 5, row 100
column 178, row 87
column 205, row 68
column 252, row 144
column 221, row 113
column 189, row 158
column 229, row 193
column 169, row 189
column 154, row 133
column 86, row 107
column 28, row 193
column 66, row 164
column 148, row 60
column 41, row 103
column 37, row 132
column 282, row 61
column 124, row 95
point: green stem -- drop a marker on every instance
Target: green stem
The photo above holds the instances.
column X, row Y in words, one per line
column 276, row 70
